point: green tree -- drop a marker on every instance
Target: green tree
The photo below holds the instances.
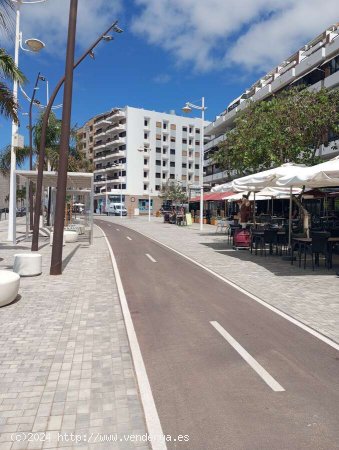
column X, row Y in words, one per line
column 77, row 161
column 173, row 191
column 5, row 158
column 289, row 127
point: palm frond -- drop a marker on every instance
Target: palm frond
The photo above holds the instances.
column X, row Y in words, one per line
column 7, row 22
column 5, row 158
column 8, row 106
column 9, row 68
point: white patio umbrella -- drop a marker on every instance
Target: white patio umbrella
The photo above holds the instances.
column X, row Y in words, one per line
column 225, row 187
column 268, row 178
column 321, row 175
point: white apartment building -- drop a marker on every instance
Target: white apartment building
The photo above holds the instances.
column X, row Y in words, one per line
column 135, row 151
column 315, row 65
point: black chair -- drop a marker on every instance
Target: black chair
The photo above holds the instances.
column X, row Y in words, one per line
column 271, row 238
column 318, row 246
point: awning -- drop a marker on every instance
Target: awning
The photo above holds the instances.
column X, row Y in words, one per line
column 212, row 196
column 75, row 180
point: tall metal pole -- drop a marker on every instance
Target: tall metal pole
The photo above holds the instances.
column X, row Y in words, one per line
column 56, row 260
column 37, row 207
column 120, row 200
column 31, row 152
column 14, row 141
column 202, row 163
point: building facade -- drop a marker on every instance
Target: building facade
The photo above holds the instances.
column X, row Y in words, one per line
column 316, row 65
column 136, row 151
column 4, row 191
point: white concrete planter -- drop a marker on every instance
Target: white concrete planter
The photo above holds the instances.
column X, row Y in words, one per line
column 51, row 239
column 70, row 236
column 9, row 286
column 27, row 264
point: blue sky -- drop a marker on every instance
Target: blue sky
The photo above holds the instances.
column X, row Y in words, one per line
column 171, row 51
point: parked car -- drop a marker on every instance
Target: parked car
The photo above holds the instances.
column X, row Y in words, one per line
column 20, row 212
column 116, row 209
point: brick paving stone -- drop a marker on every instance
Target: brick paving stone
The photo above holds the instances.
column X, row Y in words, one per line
column 311, row 297
column 62, row 347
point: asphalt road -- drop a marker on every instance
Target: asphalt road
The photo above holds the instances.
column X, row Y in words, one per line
column 204, row 386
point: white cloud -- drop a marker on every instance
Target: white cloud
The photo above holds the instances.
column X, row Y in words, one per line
column 254, row 34
column 49, row 21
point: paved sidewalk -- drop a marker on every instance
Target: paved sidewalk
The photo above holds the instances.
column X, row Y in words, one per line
column 65, row 361
column 311, row 297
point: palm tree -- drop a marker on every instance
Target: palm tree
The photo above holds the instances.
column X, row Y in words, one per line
column 5, row 158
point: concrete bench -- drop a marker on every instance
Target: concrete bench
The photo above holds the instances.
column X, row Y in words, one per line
column 27, row 264
column 9, row 286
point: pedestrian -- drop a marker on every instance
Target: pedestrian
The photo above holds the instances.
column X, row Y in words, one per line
column 245, row 211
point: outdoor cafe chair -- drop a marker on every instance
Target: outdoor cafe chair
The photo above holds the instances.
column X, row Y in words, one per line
column 316, row 247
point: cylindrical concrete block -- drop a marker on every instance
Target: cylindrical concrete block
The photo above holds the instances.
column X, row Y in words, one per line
column 51, row 239
column 9, row 286
column 70, row 236
column 27, row 264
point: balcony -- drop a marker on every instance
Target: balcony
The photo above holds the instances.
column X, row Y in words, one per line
column 116, row 142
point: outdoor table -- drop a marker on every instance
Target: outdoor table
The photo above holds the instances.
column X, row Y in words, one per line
column 259, row 233
column 304, row 240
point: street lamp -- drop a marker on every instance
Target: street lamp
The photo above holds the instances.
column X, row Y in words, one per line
column 37, row 207
column 34, row 45
column 30, row 126
column 187, row 109
column 148, row 150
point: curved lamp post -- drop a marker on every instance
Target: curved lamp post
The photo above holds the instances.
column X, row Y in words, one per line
column 187, row 109
column 33, row 45
column 37, row 207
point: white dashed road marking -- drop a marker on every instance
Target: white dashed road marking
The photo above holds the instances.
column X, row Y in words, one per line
column 273, row 384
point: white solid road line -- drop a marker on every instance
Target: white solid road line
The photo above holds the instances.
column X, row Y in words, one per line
column 127, row 237
column 151, row 415
column 273, row 384
column 150, row 257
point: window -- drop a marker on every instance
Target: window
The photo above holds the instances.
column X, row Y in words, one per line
column 158, row 136
column 191, row 130
column 172, row 139
column 172, row 164
column 91, row 128
column 164, row 138
column 163, row 176
column 172, row 151
column 197, row 131
column 184, row 141
column 145, row 135
column 158, row 162
column 145, row 187
column 189, row 177
column 190, row 141
column 165, row 125
column 173, row 127
column 190, row 166
column 158, row 124
column 158, row 149
column 184, row 165
column 157, row 187
column 164, row 163
column 196, row 166
column 197, row 142
column 184, row 129
column 146, row 122
column 172, row 176
column 164, row 151
column 123, row 186
column 145, row 161
column 145, row 174
column 158, row 175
